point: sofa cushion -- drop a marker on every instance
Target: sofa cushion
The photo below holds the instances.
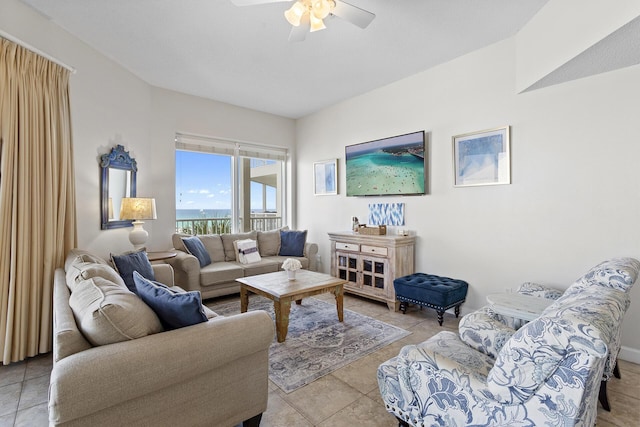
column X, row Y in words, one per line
column 269, row 242
column 213, row 244
column 176, row 239
column 540, row 291
column 81, row 256
column 174, row 309
column 86, row 270
column 483, row 331
column 535, row 352
column 67, row 338
column 129, row 262
column 220, row 272
column 196, row 248
column 107, row 313
column 280, row 259
column 292, row 242
column 266, row 265
column 227, row 242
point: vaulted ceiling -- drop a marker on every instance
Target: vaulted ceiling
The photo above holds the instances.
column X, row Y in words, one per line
column 242, row 56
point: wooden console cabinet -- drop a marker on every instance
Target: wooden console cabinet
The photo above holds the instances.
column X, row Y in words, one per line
column 370, row 263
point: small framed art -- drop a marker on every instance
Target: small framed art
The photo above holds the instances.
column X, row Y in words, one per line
column 482, row 158
column 325, row 177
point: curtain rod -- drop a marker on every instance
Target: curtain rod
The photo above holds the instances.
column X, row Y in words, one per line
column 34, row 50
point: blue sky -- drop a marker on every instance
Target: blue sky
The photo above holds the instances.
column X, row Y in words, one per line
column 203, row 181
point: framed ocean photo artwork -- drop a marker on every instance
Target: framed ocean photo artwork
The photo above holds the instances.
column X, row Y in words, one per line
column 482, row 158
column 325, row 182
column 392, row 166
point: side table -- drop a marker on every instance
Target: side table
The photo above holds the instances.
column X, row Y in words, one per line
column 161, row 255
column 525, row 307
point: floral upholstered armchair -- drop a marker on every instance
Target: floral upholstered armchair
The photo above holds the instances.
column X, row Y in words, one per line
column 548, row 372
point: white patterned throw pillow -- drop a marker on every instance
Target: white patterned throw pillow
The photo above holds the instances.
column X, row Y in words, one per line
column 247, row 251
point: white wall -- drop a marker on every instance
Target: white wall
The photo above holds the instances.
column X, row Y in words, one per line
column 173, row 112
column 109, row 106
column 574, row 197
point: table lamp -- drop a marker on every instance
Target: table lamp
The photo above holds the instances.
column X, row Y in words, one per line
column 138, row 209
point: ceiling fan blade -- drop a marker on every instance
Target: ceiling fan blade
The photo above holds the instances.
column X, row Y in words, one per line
column 299, row 33
column 360, row 17
column 254, row 2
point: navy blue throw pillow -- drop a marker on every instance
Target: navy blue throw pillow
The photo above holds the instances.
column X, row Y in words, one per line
column 174, row 309
column 126, row 264
column 292, row 242
column 197, row 249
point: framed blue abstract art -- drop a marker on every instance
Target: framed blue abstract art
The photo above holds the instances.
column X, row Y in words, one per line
column 482, row 158
column 325, row 177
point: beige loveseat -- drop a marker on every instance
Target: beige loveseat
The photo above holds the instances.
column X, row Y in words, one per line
column 213, row 373
column 218, row 278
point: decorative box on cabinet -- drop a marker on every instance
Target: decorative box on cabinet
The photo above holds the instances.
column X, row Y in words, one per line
column 370, row 263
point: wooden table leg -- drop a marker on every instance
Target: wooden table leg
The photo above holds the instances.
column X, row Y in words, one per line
column 282, row 309
column 244, row 299
column 339, row 293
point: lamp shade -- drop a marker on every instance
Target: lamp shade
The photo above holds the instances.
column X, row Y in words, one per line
column 322, row 8
column 295, row 13
column 138, row 208
column 316, row 23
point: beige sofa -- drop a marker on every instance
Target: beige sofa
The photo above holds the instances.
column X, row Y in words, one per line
column 218, row 278
column 213, row 373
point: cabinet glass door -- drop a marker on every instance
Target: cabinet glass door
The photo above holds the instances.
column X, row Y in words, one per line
column 378, row 267
column 373, row 274
column 347, row 267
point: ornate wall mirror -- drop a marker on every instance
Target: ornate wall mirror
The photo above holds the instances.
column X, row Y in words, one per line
column 117, row 180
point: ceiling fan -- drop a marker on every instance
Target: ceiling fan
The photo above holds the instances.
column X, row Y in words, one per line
column 308, row 15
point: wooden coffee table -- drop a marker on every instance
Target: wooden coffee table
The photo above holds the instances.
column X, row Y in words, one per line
column 278, row 288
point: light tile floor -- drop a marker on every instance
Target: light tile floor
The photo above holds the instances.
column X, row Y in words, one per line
column 347, row 397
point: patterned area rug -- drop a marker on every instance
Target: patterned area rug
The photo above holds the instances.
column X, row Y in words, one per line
column 317, row 344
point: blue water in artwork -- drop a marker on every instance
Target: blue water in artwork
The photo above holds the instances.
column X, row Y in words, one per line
column 381, row 173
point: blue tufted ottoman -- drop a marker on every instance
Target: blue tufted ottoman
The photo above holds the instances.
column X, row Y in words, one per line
column 440, row 293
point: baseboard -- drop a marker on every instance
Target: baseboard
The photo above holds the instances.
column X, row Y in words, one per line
column 629, row 354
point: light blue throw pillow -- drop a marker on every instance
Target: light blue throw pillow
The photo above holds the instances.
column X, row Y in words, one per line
column 126, row 264
column 292, row 242
column 174, row 309
column 197, row 249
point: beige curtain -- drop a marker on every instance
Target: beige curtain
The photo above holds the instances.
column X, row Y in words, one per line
column 37, row 196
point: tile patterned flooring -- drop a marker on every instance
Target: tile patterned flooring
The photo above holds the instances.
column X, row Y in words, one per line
column 347, row 397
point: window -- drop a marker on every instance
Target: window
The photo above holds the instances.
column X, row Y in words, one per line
column 225, row 186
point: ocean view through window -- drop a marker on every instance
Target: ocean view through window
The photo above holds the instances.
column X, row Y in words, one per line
column 224, row 187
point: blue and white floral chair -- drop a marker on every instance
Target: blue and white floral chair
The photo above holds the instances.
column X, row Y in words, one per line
column 547, row 372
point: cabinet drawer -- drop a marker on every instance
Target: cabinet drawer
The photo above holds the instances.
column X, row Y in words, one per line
column 377, row 250
column 347, row 246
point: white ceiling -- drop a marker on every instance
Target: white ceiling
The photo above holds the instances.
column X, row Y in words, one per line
column 242, row 56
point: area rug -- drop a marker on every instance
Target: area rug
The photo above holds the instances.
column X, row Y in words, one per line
column 317, row 344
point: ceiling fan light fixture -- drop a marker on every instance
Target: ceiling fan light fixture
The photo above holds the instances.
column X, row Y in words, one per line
column 322, row 8
column 316, row 24
column 295, row 13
